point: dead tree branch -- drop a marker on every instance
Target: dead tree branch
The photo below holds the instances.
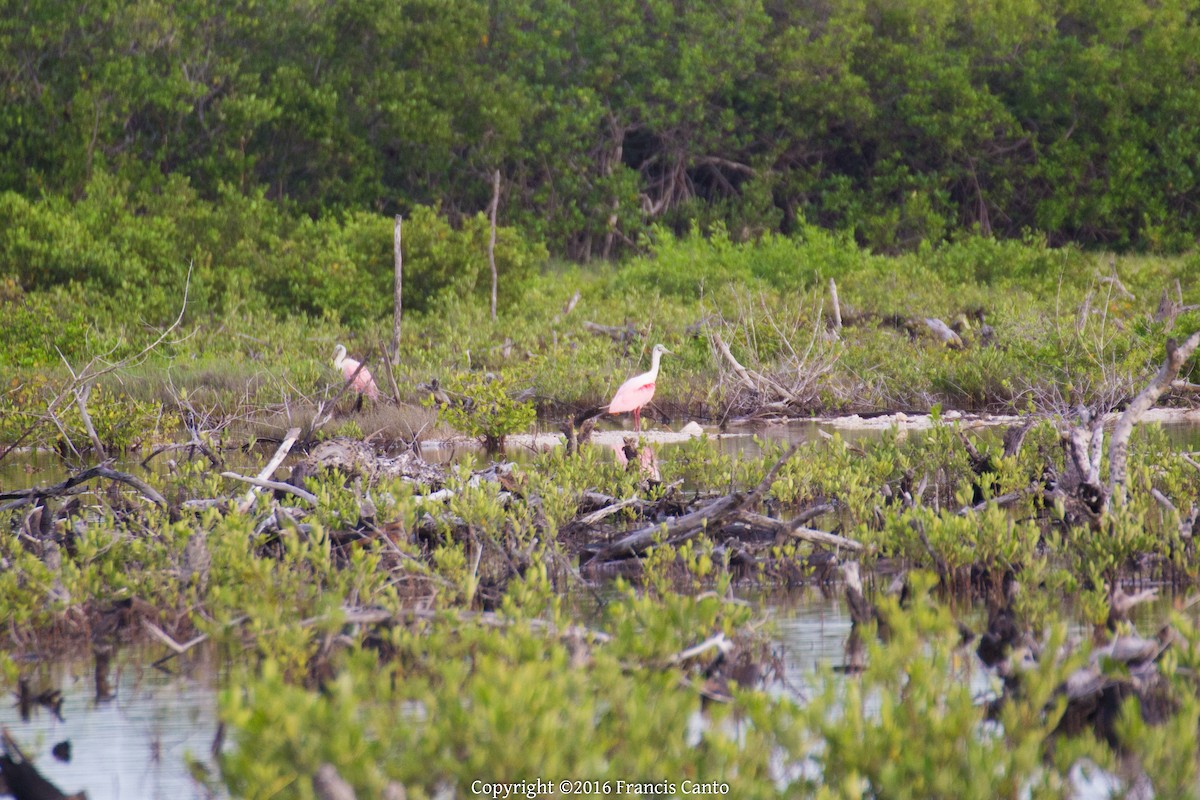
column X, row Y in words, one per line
column 1118, row 452
column 688, row 525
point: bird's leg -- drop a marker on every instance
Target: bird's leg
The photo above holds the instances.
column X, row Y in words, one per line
column 637, row 420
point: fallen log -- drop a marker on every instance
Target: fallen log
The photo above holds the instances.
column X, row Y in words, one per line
column 796, row 529
column 24, row 496
column 688, row 525
column 943, row 333
column 280, row 453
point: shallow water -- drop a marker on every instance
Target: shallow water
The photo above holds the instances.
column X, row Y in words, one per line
column 136, row 744
column 139, row 743
column 26, row 469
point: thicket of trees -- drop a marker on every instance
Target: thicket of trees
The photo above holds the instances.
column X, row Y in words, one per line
column 900, row 120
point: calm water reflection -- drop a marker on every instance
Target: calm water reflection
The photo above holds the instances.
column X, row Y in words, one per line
column 136, row 744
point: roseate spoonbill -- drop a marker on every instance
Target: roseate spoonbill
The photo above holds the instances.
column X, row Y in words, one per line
column 363, row 383
column 637, row 391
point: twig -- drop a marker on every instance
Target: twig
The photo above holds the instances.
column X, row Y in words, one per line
column 278, row 486
column 177, row 649
column 718, row 641
column 285, row 446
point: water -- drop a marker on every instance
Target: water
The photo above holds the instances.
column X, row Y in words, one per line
column 137, row 743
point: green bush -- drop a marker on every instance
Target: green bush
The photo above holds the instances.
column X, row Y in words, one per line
column 36, row 328
column 482, row 405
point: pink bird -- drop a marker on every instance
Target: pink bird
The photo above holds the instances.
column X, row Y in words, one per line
column 363, row 382
column 637, row 391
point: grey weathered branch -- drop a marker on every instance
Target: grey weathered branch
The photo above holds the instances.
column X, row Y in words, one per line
column 278, row 486
column 99, row 471
column 1118, row 452
column 281, row 452
column 621, row 335
column 753, row 380
column 492, row 239
column 796, row 528
column 943, row 332
column 685, row 527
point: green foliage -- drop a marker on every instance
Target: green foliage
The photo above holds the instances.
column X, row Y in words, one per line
column 441, row 693
column 36, row 328
column 133, row 251
column 911, row 725
column 483, row 406
column 901, row 122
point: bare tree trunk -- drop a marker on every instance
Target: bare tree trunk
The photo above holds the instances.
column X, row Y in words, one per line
column 398, row 291
column 492, row 240
column 81, row 398
column 1176, row 356
column 837, row 308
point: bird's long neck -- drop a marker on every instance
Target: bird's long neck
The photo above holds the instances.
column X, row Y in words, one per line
column 654, row 364
column 339, row 355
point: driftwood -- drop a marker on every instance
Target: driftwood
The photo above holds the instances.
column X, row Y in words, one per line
column 34, row 495
column 265, row 473
column 688, row 525
column 359, row 458
column 796, row 529
column 916, row 327
column 943, row 333
column 1118, row 451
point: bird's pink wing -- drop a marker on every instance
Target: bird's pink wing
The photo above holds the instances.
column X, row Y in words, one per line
column 634, row 393
column 363, row 382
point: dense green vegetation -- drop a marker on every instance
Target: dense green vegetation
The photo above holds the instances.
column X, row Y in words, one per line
column 936, row 159
column 197, row 203
column 401, row 655
column 898, row 121
column 1040, row 328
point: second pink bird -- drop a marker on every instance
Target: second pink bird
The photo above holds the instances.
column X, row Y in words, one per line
column 636, row 392
column 363, row 382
